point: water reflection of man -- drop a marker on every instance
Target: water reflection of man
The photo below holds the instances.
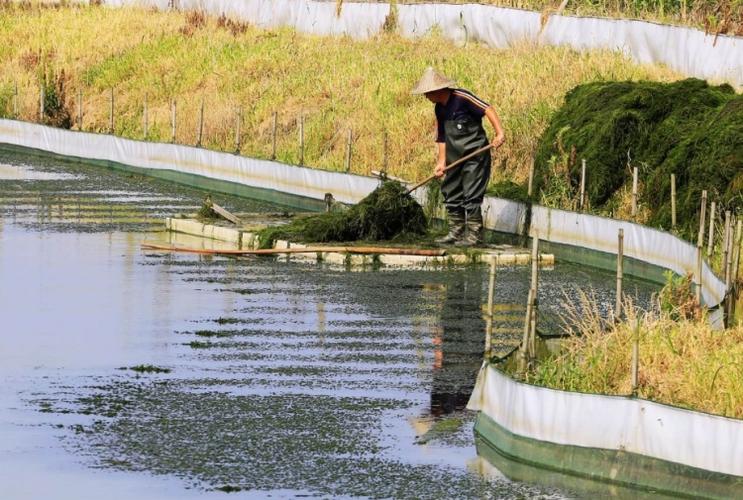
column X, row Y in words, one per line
column 458, row 343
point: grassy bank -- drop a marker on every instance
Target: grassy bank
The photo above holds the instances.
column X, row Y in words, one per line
column 335, row 83
column 683, row 362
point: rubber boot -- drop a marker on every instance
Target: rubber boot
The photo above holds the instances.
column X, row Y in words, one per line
column 456, row 228
column 473, row 225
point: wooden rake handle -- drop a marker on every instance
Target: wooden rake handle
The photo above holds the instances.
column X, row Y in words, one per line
column 451, row 166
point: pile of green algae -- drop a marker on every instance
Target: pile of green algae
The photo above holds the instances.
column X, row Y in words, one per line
column 688, row 128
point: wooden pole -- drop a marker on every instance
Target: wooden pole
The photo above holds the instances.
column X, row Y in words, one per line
column 620, row 275
column 385, row 159
column 41, row 103
column 173, row 117
column 534, row 297
column 673, row 201
column 80, row 109
column 311, row 249
column 530, row 188
column 710, row 236
column 349, row 146
column 145, row 121
column 524, row 348
column 635, row 357
column 301, row 139
column 200, row 132
column 15, row 99
column 734, row 273
column 582, row 184
column 238, row 124
column 700, row 239
column 111, row 125
column 727, row 249
column 634, row 192
column 491, row 294
column 273, row 136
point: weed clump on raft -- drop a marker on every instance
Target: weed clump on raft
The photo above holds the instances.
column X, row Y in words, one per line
column 388, row 213
column 687, row 128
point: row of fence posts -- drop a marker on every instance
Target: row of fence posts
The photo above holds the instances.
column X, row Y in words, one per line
column 200, row 126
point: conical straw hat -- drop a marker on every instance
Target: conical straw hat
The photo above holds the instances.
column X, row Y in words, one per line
column 432, row 80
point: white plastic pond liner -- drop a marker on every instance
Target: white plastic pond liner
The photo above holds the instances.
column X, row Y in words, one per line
column 691, row 438
column 301, row 181
column 640, row 242
column 580, row 230
column 686, row 50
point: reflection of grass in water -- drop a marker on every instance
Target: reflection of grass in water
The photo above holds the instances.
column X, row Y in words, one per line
column 211, row 333
column 200, row 345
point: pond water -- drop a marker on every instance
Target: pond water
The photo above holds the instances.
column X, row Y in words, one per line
column 280, row 379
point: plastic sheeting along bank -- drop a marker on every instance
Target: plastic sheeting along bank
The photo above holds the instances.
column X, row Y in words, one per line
column 304, row 187
column 689, row 51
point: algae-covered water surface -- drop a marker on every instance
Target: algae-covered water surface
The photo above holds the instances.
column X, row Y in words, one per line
column 125, row 374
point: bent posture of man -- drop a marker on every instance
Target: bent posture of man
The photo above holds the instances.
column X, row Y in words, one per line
column 459, row 132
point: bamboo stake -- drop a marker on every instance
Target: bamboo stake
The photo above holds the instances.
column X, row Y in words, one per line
column 238, row 123
column 726, row 249
column 200, row 133
column 313, row 249
column 491, row 293
column 173, row 116
column 531, row 179
column 111, row 128
column 711, row 228
column 582, row 184
column 145, row 124
column 634, row 191
column 385, row 159
column 41, row 103
column 534, row 297
column 699, row 246
column 524, row 348
column 80, row 109
column 620, row 274
column 349, row 146
column 636, row 357
column 15, row 100
column 301, row 139
column 673, row 201
column 273, row 136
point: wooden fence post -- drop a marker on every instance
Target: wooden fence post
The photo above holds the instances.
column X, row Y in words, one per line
column 145, row 121
column 534, row 297
column 15, row 100
column 238, row 124
column 173, row 117
column 41, row 103
column 700, row 239
column 301, row 139
column 582, row 184
column 635, row 357
column 726, row 248
column 530, row 187
column 385, row 159
column 349, row 146
column 273, row 136
column 673, row 201
column 200, row 131
column 80, row 109
column 620, row 275
column 634, row 192
column 710, row 236
column 111, row 123
column 491, row 294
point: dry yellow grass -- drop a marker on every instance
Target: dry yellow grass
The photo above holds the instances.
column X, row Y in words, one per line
column 683, row 362
column 336, row 83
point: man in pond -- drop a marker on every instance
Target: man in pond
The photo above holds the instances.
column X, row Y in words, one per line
column 459, row 132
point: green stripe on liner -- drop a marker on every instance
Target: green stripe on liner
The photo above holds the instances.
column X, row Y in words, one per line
column 594, row 470
column 293, row 201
